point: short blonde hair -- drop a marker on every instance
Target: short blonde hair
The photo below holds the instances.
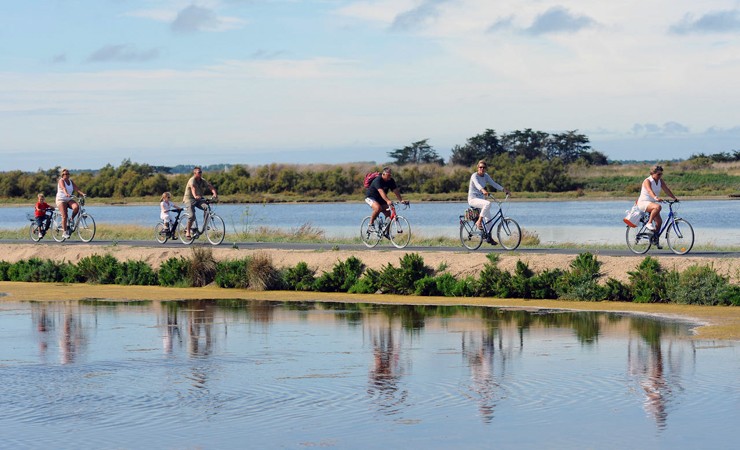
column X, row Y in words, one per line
column 165, row 195
column 41, row 196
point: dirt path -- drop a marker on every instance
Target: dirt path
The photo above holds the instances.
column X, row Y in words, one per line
column 456, row 263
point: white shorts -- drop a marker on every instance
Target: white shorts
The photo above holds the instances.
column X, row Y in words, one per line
column 370, row 201
column 643, row 204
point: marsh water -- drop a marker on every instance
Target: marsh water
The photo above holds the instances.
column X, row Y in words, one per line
column 255, row 374
column 578, row 221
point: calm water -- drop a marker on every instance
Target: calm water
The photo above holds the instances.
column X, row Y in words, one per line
column 238, row 374
column 714, row 221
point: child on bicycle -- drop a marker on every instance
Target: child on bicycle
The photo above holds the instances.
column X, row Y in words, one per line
column 39, row 213
column 165, row 207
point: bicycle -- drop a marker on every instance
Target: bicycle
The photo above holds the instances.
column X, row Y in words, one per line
column 83, row 224
column 394, row 228
column 213, row 225
column 163, row 232
column 37, row 233
column 508, row 231
column 678, row 233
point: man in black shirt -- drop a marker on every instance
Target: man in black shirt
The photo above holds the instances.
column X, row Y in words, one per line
column 377, row 194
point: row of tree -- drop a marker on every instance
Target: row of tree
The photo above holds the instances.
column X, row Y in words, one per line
column 569, row 147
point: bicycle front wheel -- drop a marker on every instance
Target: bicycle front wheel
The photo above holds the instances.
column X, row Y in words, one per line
column 56, row 228
column 680, row 237
column 369, row 236
column 34, row 232
column 216, row 230
column 638, row 239
column 470, row 236
column 400, row 232
column 86, row 228
column 509, row 234
column 160, row 233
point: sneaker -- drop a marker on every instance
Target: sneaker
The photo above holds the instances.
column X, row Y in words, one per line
column 41, row 234
column 650, row 226
column 491, row 241
column 65, row 236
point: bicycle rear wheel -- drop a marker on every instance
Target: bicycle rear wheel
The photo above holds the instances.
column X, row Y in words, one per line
column 160, row 233
column 509, row 234
column 56, row 228
column 369, row 236
column 215, row 230
column 86, row 228
column 400, row 232
column 470, row 236
column 680, row 237
column 638, row 239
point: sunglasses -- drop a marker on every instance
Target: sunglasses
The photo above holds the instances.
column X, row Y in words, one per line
column 482, row 167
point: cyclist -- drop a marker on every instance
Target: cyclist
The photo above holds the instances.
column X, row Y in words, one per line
column 193, row 197
column 39, row 212
column 65, row 189
column 649, row 200
column 477, row 194
column 376, row 196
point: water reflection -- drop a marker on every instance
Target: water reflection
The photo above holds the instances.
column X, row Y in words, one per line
column 369, row 367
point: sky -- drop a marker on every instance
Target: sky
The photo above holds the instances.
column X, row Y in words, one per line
column 84, row 83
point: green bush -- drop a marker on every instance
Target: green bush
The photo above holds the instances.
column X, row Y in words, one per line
column 494, row 282
column 701, row 285
column 299, row 278
column 581, row 282
column 615, row 290
column 648, row 282
column 369, row 283
column 136, row 273
column 4, row 266
column 174, row 272
column 98, row 269
column 402, row 280
column 232, row 273
column 343, row 276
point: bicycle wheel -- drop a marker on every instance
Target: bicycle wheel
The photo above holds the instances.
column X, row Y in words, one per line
column 34, row 232
column 160, row 233
column 470, row 236
column 181, row 230
column 638, row 239
column 86, row 228
column 216, row 230
column 509, row 234
column 680, row 237
column 400, row 232
column 370, row 237
column 56, row 228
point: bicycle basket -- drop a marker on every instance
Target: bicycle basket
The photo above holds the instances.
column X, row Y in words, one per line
column 472, row 214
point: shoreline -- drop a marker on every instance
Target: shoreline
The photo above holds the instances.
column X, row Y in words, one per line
column 711, row 322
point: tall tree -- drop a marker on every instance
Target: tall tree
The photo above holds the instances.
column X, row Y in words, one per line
column 527, row 143
column 569, row 146
column 417, row 153
column 486, row 145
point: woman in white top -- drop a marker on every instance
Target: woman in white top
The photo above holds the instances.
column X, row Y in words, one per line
column 649, row 200
column 477, row 192
column 65, row 189
column 165, row 206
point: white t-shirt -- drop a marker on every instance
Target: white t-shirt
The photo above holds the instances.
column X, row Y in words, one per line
column 477, row 183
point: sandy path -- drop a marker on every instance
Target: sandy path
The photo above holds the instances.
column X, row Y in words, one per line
column 457, row 264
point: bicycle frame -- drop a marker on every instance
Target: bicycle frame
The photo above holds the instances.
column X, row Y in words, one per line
column 508, row 232
column 679, row 234
column 213, row 226
column 394, row 227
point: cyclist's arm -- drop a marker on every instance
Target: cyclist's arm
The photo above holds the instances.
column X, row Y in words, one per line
column 668, row 191
column 397, row 191
column 75, row 188
column 385, row 198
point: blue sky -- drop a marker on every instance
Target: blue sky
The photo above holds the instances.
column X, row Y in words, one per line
column 89, row 82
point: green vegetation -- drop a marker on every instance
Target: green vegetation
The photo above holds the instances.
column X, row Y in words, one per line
column 649, row 283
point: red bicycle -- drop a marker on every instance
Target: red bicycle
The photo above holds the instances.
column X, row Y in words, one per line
column 394, row 228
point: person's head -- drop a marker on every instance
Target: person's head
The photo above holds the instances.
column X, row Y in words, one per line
column 197, row 172
column 41, row 197
column 656, row 171
column 482, row 166
column 65, row 173
column 386, row 174
column 166, row 196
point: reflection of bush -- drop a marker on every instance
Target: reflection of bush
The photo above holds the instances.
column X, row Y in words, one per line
column 648, row 283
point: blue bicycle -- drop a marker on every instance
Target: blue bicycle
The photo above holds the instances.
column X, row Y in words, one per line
column 678, row 233
column 508, row 232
